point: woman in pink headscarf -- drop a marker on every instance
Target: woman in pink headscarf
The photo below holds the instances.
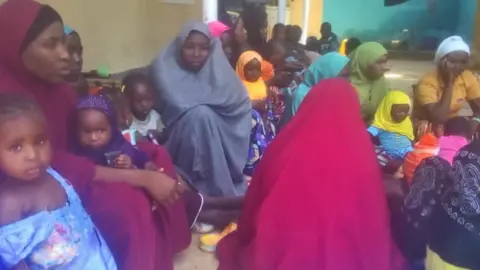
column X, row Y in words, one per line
column 222, row 31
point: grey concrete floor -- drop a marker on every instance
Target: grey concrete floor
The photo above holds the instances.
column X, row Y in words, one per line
column 401, row 76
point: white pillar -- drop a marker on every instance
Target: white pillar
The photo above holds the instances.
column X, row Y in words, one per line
column 306, row 16
column 282, row 8
column 210, row 10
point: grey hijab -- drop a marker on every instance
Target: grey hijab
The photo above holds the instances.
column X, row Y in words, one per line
column 216, row 85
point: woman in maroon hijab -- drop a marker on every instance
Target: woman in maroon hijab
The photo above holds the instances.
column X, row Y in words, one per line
column 34, row 60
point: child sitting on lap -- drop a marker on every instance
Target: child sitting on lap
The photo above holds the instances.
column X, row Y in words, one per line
column 392, row 125
column 457, row 132
column 43, row 224
column 99, row 138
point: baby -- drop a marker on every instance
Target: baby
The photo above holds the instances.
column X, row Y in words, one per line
column 98, row 136
column 43, row 224
column 392, row 125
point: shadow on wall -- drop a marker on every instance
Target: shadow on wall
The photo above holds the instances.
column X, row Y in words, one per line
column 413, row 24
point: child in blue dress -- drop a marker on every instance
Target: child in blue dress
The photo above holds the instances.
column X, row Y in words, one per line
column 43, row 224
column 393, row 127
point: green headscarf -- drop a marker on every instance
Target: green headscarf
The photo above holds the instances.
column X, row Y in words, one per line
column 370, row 92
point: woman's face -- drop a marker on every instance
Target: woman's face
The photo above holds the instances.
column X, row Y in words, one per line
column 47, row 56
column 458, row 61
column 377, row 69
column 399, row 112
column 75, row 50
column 252, row 70
column 227, row 44
column 195, row 51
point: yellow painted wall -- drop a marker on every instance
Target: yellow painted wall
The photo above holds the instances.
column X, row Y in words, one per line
column 124, row 34
column 315, row 16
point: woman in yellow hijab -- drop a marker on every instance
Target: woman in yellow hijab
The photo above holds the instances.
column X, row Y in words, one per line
column 392, row 125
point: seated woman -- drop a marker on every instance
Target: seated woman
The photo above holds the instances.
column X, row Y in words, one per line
column 442, row 212
column 392, row 126
column 34, row 62
column 288, row 220
column 368, row 65
column 206, row 111
column 263, row 127
column 443, row 92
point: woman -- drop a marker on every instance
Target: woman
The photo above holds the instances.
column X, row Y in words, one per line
column 288, row 220
column 226, row 36
column 328, row 66
column 444, row 202
column 206, row 111
column 367, row 69
column 443, row 92
column 34, row 61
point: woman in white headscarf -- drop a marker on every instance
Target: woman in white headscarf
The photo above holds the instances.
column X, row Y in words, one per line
column 206, row 111
column 441, row 93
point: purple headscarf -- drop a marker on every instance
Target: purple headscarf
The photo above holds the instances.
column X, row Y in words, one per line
column 117, row 142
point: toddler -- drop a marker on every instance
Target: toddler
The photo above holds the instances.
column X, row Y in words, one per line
column 392, row 125
column 138, row 89
column 43, row 224
column 98, row 136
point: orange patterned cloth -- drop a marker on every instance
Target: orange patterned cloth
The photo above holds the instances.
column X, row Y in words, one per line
column 426, row 147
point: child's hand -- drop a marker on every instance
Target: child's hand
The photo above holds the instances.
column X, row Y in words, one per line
column 123, row 162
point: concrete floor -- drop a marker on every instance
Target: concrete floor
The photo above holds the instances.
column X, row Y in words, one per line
column 402, row 75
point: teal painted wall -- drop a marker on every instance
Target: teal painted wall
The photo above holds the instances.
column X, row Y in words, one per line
column 412, row 21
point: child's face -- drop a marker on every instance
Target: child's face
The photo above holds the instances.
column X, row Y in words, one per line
column 141, row 100
column 94, row 130
column 400, row 112
column 25, row 151
column 253, row 70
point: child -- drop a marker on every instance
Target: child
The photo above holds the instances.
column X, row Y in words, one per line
column 392, row 126
column 43, row 224
column 426, row 147
column 139, row 91
column 457, row 132
column 262, row 132
column 100, row 139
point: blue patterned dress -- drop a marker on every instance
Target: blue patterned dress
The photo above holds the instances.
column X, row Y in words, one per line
column 262, row 133
column 65, row 238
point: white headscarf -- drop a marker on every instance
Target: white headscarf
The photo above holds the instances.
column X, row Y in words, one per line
column 451, row 44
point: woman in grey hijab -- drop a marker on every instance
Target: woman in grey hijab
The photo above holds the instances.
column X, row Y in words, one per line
column 206, row 111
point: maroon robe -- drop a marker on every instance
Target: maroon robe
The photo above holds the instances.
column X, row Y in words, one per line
column 138, row 238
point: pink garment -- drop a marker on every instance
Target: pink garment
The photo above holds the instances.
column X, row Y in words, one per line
column 449, row 146
column 217, row 28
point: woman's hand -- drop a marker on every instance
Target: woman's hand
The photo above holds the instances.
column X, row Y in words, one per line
column 123, row 162
column 161, row 187
column 452, row 72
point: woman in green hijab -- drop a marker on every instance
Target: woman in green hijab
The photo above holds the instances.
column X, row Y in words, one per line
column 367, row 69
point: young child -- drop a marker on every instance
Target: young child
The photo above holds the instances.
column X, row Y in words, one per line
column 139, row 91
column 392, row 125
column 457, row 133
column 426, row 147
column 100, row 139
column 43, row 224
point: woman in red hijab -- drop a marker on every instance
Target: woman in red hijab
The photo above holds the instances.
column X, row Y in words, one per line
column 324, row 208
column 34, row 61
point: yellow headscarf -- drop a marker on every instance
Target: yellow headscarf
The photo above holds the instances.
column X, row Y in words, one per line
column 383, row 116
column 256, row 90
